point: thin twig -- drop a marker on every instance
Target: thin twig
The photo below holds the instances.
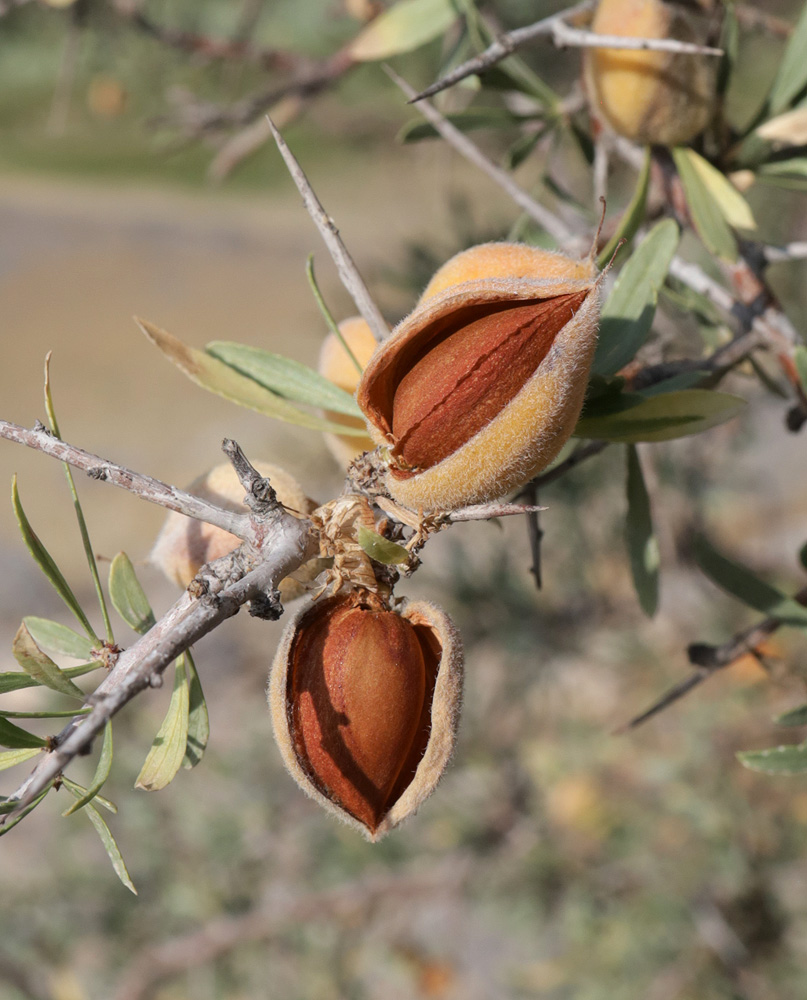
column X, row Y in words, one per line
column 556, row 228
column 535, row 535
column 790, row 251
column 504, row 46
column 348, row 272
column 581, row 454
column 565, row 36
column 141, row 486
column 708, row 659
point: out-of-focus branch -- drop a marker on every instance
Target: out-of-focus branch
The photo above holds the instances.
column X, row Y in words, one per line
column 348, row 272
column 708, row 659
column 145, row 487
column 565, row 36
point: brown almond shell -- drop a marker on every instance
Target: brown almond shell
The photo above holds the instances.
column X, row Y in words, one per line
column 530, row 430
column 433, row 745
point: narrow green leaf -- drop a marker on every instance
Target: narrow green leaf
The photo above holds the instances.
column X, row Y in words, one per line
column 641, row 541
column 730, row 44
column 40, row 666
column 468, row 120
column 709, row 220
column 69, row 714
column 18, row 739
column 128, row 596
column 326, row 314
column 168, row 749
column 633, row 215
column 101, row 773
column 523, row 147
column 663, row 417
column 778, row 760
column 215, row 376
column 800, row 359
column 628, row 314
column 746, row 586
column 736, row 210
column 795, row 717
column 58, row 638
column 10, row 758
column 404, row 26
column 198, row 721
column 792, row 76
column 795, row 167
column 45, row 562
column 16, row 680
column 684, row 380
column 82, row 522
column 79, row 791
column 110, row 846
column 381, row 549
column 288, row 378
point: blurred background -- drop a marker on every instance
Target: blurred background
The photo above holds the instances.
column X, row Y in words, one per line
column 558, row 859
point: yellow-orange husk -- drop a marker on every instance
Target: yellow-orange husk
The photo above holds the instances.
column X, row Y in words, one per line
column 335, row 365
column 446, row 702
column 531, row 429
column 184, row 544
column 649, row 97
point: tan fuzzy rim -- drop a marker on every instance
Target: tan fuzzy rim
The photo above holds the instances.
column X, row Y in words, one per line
column 445, row 712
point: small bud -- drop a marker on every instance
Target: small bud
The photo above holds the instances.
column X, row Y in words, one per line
column 662, row 98
column 336, row 364
column 365, row 704
column 482, row 384
column 185, row 544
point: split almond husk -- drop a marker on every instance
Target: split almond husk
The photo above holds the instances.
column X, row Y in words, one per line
column 481, row 385
column 365, row 704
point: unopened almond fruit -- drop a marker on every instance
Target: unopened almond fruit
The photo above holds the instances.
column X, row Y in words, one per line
column 185, row 544
column 365, row 703
column 482, row 384
column 650, row 97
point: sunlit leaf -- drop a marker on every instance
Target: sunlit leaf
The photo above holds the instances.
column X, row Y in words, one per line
column 789, row 129
column 736, row 210
column 45, row 562
column 628, row 313
column 40, row 666
column 792, row 76
column 707, row 216
column 168, row 749
column 10, row 758
column 633, row 215
column 110, row 846
column 663, row 417
column 58, row 638
column 287, row 377
column 198, row 721
column 641, row 541
column 795, row 717
column 776, row 760
column 404, row 26
column 215, row 376
column 746, row 586
column 128, row 596
column 381, row 549
column 80, row 791
column 101, row 773
column 14, row 738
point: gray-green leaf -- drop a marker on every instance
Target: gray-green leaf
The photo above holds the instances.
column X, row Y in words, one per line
column 110, row 846
column 664, row 417
column 40, row 666
column 102, row 770
column 198, row 721
column 287, row 377
column 777, row 760
column 14, row 738
column 633, row 215
column 795, row 717
column 128, row 596
column 628, row 314
column 10, row 758
column 641, row 541
column 746, row 586
column 58, row 638
column 792, row 76
column 168, row 749
column 45, row 562
column 404, row 26
column 709, row 220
